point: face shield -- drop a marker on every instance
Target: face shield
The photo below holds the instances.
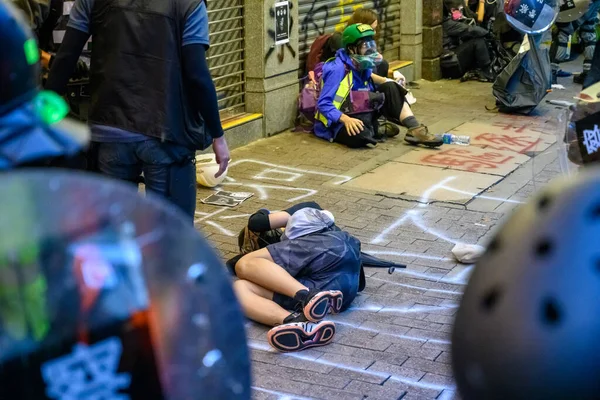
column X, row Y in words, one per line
column 367, row 57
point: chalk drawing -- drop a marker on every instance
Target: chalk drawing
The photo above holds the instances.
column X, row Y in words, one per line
column 263, row 193
column 267, row 174
column 380, row 332
column 220, row 228
column 341, row 178
column 416, row 309
column 402, row 379
column 415, row 287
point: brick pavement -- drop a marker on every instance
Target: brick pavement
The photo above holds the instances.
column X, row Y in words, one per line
column 394, row 341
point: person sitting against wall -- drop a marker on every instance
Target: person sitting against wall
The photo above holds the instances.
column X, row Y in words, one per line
column 464, row 42
column 346, row 81
column 326, row 46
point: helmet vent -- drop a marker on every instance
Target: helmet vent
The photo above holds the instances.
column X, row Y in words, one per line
column 494, row 245
column 544, row 202
column 595, row 214
column 551, row 313
column 491, row 299
column 543, row 248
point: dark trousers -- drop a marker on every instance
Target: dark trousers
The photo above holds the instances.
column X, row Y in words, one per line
column 168, row 171
column 473, row 54
column 395, row 97
column 594, row 75
column 383, row 69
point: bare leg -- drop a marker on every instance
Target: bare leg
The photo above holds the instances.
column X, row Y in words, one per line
column 405, row 112
column 257, row 304
column 258, row 267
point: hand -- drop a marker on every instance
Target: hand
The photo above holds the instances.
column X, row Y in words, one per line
column 353, row 126
column 81, row 70
column 311, row 76
column 221, row 155
column 400, row 79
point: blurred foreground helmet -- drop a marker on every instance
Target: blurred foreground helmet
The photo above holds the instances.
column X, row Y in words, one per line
column 108, row 295
column 571, row 10
column 33, row 128
column 531, row 16
column 529, row 321
column 19, row 59
column 583, row 130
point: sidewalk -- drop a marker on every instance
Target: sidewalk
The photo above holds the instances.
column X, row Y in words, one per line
column 406, row 204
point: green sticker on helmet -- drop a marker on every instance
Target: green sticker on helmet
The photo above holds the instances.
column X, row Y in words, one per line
column 32, row 53
column 50, row 107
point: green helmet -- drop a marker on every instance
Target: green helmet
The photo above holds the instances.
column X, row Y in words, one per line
column 354, row 33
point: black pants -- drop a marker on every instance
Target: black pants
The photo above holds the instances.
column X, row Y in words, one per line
column 594, row 75
column 395, row 97
column 473, row 54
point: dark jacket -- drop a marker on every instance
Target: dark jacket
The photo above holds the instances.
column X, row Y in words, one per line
column 136, row 76
column 457, row 32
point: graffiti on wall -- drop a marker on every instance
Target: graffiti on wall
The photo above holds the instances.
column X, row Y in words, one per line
column 322, row 18
column 283, row 47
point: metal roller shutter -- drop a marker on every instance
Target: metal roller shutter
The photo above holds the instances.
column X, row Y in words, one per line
column 318, row 17
column 226, row 54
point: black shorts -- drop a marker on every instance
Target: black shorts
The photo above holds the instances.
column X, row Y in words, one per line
column 325, row 261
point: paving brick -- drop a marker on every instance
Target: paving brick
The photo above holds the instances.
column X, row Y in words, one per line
column 428, row 366
column 414, row 351
column 389, row 390
column 444, row 357
column 443, row 380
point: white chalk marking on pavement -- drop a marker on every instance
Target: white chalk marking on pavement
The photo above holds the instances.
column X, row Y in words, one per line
column 446, row 395
column 481, row 196
column 207, row 216
column 403, row 310
column 282, row 396
column 425, row 385
column 235, row 216
column 407, row 337
column 415, row 287
column 404, row 254
column 220, row 228
column 426, row 194
column 343, row 178
column 265, row 175
column 263, row 193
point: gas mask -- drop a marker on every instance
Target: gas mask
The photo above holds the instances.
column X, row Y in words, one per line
column 457, row 14
column 371, row 57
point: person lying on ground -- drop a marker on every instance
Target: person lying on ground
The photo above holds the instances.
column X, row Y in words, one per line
column 352, row 97
column 311, row 270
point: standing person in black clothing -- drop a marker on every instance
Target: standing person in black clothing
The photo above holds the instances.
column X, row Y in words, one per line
column 153, row 100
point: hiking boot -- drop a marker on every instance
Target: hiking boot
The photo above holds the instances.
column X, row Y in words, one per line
column 421, row 135
column 301, row 335
column 315, row 304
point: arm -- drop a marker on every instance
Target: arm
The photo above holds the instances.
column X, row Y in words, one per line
column 63, row 64
column 76, row 36
column 263, row 220
column 378, row 80
column 196, row 73
column 462, row 31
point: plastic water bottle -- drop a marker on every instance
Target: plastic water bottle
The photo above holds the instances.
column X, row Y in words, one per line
column 449, row 138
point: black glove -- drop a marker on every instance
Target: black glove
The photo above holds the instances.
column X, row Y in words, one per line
column 81, row 70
